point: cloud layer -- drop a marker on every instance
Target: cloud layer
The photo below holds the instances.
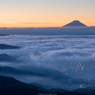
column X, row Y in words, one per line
column 49, row 54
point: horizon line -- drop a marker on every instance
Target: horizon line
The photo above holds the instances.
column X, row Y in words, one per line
column 39, row 27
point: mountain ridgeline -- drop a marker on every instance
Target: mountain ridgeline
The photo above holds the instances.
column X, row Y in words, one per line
column 11, row 86
column 75, row 24
column 4, row 46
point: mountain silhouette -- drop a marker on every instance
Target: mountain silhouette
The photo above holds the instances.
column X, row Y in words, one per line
column 7, row 58
column 87, row 90
column 4, row 34
column 5, row 70
column 11, row 82
column 11, row 86
column 75, row 23
column 4, row 46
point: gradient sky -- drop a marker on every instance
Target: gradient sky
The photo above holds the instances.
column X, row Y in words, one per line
column 46, row 13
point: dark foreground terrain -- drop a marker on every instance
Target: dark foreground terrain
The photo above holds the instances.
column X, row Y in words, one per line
column 11, row 86
column 30, row 91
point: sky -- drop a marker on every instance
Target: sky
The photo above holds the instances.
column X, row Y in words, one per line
column 46, row 13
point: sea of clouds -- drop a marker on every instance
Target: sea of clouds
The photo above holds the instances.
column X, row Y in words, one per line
column 52, row 55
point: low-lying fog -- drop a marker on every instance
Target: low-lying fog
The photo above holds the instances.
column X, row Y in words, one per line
column 52, row 56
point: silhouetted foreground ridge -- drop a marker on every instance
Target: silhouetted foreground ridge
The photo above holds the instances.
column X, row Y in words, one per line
column 11, row 86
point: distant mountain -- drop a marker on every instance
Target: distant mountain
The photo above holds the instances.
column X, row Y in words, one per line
column 87, row 90
column 4, row 34
column 50, row 88
column 75, row 23
column 3, row 46
column 5, row 70
column 7, row 58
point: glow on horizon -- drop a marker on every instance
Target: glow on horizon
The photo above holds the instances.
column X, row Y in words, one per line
column 46, row 13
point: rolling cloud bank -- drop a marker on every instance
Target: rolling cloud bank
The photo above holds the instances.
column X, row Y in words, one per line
column 49, row 60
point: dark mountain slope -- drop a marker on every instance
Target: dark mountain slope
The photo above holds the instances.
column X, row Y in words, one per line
column 30, row 91
column 7, row 58
column 5, row 70
column 11, row 82
column 4, row 34
column 3, row 46
column 11, row 86
column 75, row 23
column 87, row 90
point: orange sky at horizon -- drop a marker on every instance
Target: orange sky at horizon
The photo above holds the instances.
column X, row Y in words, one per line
column 38, row 24
column 46, row 13
column 53, row 22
